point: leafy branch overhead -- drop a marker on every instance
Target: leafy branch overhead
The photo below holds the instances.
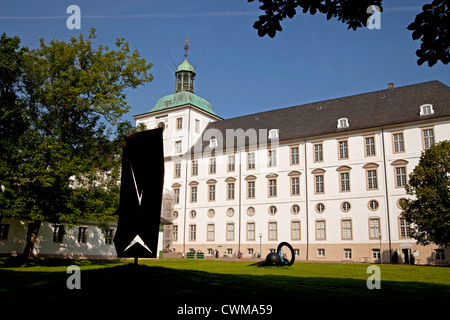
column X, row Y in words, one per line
column 431, row 25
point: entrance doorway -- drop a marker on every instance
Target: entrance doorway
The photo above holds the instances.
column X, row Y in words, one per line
column 406, row 255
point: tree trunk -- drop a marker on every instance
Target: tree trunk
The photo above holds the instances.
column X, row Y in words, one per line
column 32, row 234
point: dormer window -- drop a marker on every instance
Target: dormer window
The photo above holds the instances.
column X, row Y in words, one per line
column 342, row 123
column 213, row 143
column 273, row 134
column 167, row 104
column 426, row 109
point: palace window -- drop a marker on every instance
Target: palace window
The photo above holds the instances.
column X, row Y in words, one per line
column 272, row 187
column 193, row 193
column 405, row 230
column 428, row 137
column 295, row 230
column 230, row 231
column 251, row 189
column 273, row 231
column 210, row 228
column 192, row 232
column 342, row 123
column 295, row 186
column 370, row 146
column 426, row 109
column 179, row 123
column 374, row 225
column 250, row 231
column 194, row 171
column 212, row 192
column 347, row 229
column 231, row 160
column 212, row 165
column 295, row 155
column 82, row 234
column 399, row 145
column 272, row 158
column 177, row 170
column 251, row 160
column 318, row 152
column 58, row 233
column 320, row 230
column 343, row 149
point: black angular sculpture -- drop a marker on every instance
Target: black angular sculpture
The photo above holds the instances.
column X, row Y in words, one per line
column 140, row 195
column 274, row 259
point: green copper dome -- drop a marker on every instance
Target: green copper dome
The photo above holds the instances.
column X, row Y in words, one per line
column 185, row 66
column 182, row 98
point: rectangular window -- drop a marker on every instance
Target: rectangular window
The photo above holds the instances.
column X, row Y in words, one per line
column 272, row 158
column 399, row 145
column 193, row 193
column 197, row 126
column 370, row 146
column 4, row 230
column 175, row 232
column 194, row 171
column 405, row 230
column 372, row 182
column 345, row 181
column 343, row 149
column 179, row 123
column 58, row 233
column 272, row 231
column 374, row 225
column 251, row 231
column 428, row 138
column 321, row 252
column 212, row 192
column 82, row 234
column 251, row 160
column 347, row 253
column 320, row 230
column 400, row 176
column 346, row 229
column 318, row 152
column 192, row 232
column 272, row 187
column 295, row 159
column 109, row 236
column 177, row 146
column 230, row 231
column 295, row 186
column 376, row 254
column 230, row 190
column 295, row 227
column 212, row 165
column 231, row 163
column 177, row 170
column 319, row 185
column 176, row 193
column 211, row 232
column 251, row 189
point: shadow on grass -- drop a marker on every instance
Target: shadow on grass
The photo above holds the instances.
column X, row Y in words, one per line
column 158, row 287
column 16, row 262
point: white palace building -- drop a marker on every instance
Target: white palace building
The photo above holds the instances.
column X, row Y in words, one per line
column 326, row 177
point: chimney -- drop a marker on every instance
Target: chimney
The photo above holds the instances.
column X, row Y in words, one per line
column 390, row 85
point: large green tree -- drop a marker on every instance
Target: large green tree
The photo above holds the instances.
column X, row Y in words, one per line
column 431, row 25
column 429, row 185
column 63, row 166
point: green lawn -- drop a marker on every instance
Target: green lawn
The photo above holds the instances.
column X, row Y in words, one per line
column 173, row 283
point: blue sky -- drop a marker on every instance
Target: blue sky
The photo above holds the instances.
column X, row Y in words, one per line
column 311, row 60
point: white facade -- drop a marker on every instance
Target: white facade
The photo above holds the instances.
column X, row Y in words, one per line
column 226, row 201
